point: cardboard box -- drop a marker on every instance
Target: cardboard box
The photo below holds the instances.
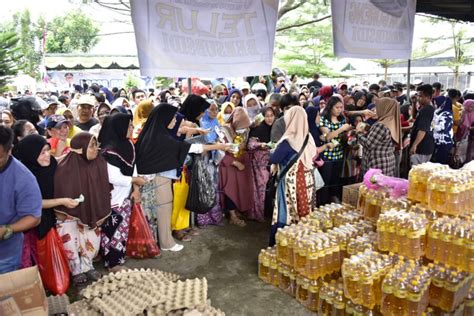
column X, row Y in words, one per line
column 24, row 289
column 350, row 194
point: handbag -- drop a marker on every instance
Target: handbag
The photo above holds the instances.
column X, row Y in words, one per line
column 53, row 263
column 202, row 193
column 180, row 216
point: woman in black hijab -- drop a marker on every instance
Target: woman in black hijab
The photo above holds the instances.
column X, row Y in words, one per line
column 161, row 155
column 34, row 152
column 119, row 152
column 193, row 108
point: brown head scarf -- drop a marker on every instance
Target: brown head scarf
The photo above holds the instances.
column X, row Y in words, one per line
column 240, row 119
column 76, row 175
column 297, row 128
column 388, row 113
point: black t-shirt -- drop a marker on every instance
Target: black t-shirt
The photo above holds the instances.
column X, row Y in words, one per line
column 423, row 122
column 315, row 83
column 87, row 126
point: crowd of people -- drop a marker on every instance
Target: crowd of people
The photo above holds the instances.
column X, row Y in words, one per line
column 77, row 162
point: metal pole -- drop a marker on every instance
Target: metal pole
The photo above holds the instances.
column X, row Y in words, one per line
column 408, row 81
column 190, row 90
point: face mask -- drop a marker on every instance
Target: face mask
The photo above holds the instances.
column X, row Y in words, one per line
column 253, row 111
column 240, row 131
column 226, row 117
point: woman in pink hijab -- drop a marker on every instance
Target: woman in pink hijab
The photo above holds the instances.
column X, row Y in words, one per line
column 465, row 131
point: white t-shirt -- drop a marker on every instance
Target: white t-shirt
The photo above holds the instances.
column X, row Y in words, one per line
column 122, row 184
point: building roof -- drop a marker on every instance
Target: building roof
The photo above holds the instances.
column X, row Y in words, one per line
column 90, row 61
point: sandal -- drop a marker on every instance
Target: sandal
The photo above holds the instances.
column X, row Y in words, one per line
column 79, row 279
column 181, row 235
column 93, row 275
column 117, row 269
column 193, row 232
column 237, row 221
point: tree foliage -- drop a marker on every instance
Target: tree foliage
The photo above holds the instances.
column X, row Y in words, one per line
column 70, row 33
column 8, row 57
column 304, row 49
column 27, row 52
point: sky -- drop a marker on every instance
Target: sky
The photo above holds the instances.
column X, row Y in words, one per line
column 124, row 44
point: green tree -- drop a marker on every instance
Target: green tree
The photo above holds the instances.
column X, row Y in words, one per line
column 8, row 57
column 131, row 81
column 460, row 44
column 301, row 47
column 70, row 33
column 385, row 64
column 28, row 53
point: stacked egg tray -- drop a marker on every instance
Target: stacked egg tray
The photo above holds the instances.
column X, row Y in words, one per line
column 143, row 292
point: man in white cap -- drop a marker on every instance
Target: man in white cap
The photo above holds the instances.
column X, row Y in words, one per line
column 85, row 111
column 245, row 88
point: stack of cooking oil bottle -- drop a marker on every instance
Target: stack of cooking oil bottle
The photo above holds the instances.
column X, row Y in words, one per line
column 419, row 261
column 403, row 233
column 451, row 241
column 406, row 289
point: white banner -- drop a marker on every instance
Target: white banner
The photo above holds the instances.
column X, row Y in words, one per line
column 205, row 38
column 373, row 28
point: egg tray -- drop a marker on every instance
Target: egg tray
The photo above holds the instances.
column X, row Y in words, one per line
column 81, row 308
column 134, row 291
column 58, row 304
column 120, row 280
column 129, row 301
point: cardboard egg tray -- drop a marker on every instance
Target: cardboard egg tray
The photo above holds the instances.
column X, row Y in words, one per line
column 58, row 304
column 135, row 292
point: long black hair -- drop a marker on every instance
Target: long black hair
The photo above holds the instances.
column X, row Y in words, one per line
column 328, row 109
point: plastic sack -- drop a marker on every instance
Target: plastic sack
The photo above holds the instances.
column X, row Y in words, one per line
column 141, row 243
column 318, row 180
column 375, row 180
column 202, row 193
column 180, row 216
column 53, row 263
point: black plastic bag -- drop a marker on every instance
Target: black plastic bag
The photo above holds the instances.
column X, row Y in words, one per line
column 202, row 193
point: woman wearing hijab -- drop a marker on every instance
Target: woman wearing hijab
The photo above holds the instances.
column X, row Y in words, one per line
column 293, row 157
column 193, row 108
column 142, row 112
column 465, row 132
column 119, row 153
column 34, row 152
column 79, row 226
column 235, row 96
column 252, row 105
column 209, row 122
column 103, row 110
column 120, row 105
column 163, row 163
column 108, row 94
column 379, row 143
column 226, row 111
column 235, row 170
column 259, row 151
column 443, row 129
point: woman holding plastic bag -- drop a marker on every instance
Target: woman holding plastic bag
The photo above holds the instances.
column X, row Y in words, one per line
column 82, row 175
column 34, row 152
column 119, row 152
column 163, row 162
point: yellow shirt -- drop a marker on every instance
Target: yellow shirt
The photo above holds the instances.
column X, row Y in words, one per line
column 457, row 111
